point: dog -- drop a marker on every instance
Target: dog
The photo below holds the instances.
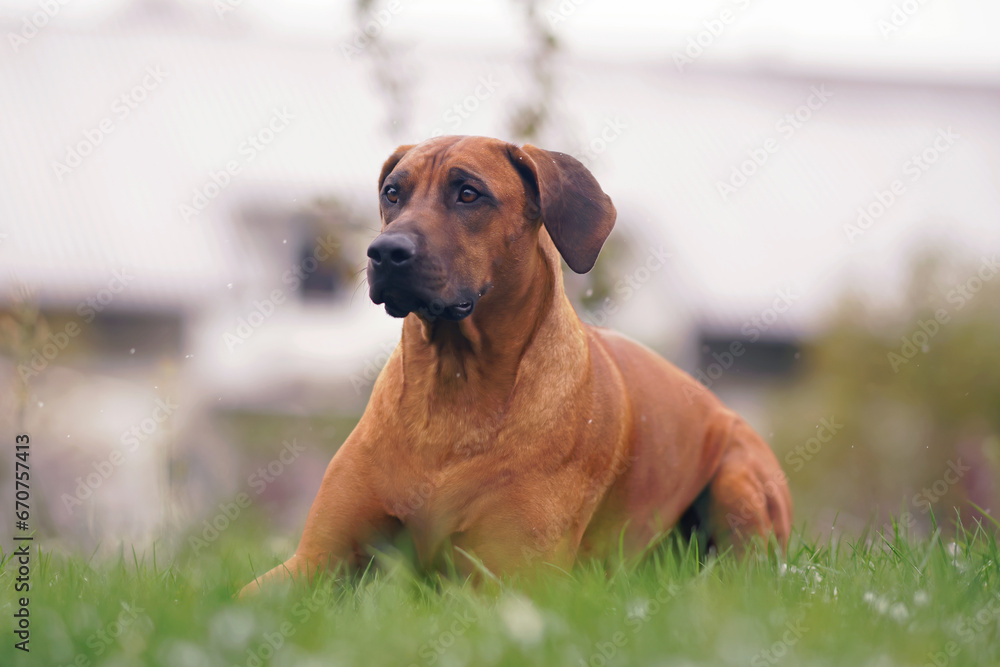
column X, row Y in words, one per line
column 503, row 432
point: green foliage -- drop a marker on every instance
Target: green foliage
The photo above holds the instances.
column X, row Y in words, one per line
column 916, row 386
column 590, row 291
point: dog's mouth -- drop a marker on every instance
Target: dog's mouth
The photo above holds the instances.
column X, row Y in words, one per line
column 400, row 303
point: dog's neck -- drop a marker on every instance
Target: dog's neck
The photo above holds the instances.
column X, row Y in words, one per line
column 474, row 364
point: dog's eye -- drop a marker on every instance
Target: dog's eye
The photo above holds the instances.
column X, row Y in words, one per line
column 467, row 195
column 392, row 194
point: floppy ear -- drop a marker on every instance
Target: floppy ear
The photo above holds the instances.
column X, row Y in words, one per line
column 391, row 163
column 575, row 211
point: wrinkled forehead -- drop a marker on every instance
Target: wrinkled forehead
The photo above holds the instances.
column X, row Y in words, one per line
column 442, row 160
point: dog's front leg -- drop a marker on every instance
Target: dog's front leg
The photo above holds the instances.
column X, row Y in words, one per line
column 344, row 517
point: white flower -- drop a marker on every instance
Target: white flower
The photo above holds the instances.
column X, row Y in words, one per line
column 638, row 609
column 231, row 627
column 523, row 620
column 876, row 602
column 899, row 612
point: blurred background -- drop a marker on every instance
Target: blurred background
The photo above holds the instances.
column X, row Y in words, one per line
column 809, row 222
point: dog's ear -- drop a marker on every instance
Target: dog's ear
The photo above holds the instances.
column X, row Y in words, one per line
column 391, row 163
column 575, row 211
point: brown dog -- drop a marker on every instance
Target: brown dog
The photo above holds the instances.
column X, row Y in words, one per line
column 503, row 427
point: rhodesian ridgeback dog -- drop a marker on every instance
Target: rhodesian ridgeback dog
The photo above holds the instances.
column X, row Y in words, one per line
column 503, row 432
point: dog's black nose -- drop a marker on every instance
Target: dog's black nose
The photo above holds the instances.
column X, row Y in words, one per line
column 395, row 250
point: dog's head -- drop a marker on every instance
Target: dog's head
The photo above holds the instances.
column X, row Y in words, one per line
column 460, row 213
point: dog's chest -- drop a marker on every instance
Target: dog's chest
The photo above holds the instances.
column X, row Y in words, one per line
column 437, row 506
column 485, row 489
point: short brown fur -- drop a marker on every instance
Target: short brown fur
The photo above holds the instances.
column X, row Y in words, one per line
column 518, row 433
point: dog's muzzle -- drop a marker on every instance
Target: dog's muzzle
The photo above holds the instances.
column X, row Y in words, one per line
column 394, row 281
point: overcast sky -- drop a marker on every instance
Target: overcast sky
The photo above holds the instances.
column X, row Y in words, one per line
column 931, row 34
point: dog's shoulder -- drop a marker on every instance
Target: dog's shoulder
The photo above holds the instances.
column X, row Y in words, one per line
column 642, row 367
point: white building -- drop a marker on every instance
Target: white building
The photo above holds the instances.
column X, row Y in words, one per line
column 186, row 152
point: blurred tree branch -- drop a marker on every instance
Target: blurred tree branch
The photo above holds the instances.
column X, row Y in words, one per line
column 534, row 114
column 22, row 331
column 391, row 77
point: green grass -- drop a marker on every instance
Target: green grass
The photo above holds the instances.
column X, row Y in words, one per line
column 875, row 600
